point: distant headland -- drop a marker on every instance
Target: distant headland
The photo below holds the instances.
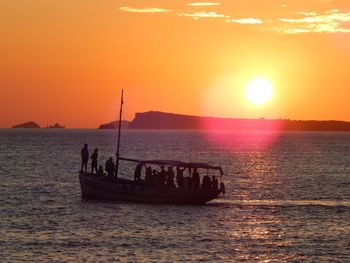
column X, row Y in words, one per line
column 27, row 125
column 162, row 120
column 114, row 125
column 34, row 125
column 56, row 126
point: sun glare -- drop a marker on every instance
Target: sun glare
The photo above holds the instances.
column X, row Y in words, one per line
column 258, row 91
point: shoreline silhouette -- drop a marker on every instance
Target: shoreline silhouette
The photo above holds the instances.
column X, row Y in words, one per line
column 162, row 120
column 158, row 120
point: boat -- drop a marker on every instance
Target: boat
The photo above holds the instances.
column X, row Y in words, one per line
column 112, row 187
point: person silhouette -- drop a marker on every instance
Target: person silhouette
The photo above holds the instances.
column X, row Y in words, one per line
column 154, row 178
column 162, row 175
column 215, row 182
column 195, row 178
column 84, row 157
column 206, row 184
column 100, row 171
column 170, row 177
column 137, row 173
column 180, row 176
column 109, row 167
column 148, row 175
column 94, row 157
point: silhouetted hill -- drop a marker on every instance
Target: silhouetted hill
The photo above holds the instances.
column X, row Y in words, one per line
column 55, row 126
column 114, row 125
column 161, row 120
column 30, row 125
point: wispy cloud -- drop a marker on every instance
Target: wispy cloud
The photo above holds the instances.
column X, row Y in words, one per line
column 144, row 10
column 198, row 15
column 331, row 21
column 203, row 4
column 307, row 13
column 247, row 21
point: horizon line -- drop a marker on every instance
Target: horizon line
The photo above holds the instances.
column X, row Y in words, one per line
column 189, row 115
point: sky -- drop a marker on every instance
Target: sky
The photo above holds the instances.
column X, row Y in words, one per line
column 66, row 61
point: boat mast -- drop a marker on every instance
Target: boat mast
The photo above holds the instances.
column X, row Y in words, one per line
column 119, row 128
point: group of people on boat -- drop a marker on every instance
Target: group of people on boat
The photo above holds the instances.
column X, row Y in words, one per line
column 109, row 166
column 152, row 177
column 167, row 177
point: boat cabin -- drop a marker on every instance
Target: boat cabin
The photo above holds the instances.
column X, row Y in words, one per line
column 176, row 174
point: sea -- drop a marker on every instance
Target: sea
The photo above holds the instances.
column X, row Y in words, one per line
column 287, row 198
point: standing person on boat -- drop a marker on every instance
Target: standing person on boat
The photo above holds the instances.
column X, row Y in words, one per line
column 84, row 157
column 154, row 178
column 195, row 178
column 162, row 175
column 109, row 167
column 137, row 173
column 148, row 175
column 214, row 182
column 180, row 176
column 206, row 184
column 186, row 182
column 94, row 157
column 170, row 177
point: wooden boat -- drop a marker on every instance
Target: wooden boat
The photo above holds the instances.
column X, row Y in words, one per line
column 145, row 191
column 93, row 186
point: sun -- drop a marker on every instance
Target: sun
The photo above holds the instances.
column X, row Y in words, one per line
column 258, row 91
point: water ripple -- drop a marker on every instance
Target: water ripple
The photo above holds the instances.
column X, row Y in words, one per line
column 286, row 201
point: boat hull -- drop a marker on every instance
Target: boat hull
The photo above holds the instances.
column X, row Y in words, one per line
column 129, row 191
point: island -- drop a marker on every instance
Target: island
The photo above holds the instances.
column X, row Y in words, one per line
column 114, row 125
column 55, row 126
column 27, row 125
column 162, row 120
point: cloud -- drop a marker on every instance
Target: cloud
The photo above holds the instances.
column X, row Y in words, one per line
column 143, row 10
column 331, row 21
column 198, row 15
column 307, row 13
column 247, row 21
column 203, row 4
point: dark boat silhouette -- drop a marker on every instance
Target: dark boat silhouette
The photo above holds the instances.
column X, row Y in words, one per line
column 141, row 191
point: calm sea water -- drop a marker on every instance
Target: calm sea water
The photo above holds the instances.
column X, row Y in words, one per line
column 287, row 200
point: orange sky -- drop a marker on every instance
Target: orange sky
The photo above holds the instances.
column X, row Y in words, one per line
column 66, row 61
